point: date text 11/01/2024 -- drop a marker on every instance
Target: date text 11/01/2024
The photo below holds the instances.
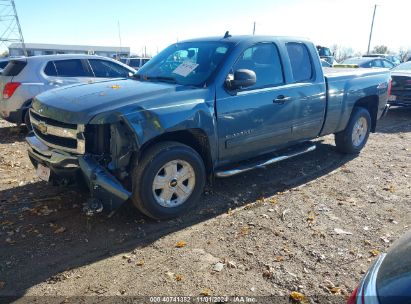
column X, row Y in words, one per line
column 203, row 299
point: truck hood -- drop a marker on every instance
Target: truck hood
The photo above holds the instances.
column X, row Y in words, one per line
column 79, row 103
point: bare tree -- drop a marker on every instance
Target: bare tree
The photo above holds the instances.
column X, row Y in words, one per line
column 380, row 49
column 334, row 49
column 403, row 53
column 344, row 53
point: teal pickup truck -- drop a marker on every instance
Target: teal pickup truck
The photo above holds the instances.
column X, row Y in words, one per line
column 200, row 109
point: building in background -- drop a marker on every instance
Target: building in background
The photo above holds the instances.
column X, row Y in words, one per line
column 34, row 49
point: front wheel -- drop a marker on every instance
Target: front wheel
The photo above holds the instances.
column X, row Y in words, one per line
column 168, row 180
column 355, row 136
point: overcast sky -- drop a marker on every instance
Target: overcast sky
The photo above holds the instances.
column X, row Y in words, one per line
column 157, row 23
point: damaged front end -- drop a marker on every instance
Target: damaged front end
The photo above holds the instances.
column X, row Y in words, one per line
column 98, row 155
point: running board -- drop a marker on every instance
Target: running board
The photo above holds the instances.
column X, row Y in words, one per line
column 264, row 163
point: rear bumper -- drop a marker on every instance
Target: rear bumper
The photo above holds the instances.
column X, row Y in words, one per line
column 72, row 168
column 14, row 116
column 403, row 98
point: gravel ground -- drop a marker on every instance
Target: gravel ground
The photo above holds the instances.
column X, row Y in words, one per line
column 311, row 225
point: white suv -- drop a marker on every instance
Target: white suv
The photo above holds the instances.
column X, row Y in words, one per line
column 24, row 78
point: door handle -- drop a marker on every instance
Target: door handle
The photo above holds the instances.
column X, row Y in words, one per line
column 281, row 99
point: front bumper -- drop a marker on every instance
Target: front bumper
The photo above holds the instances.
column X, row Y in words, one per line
column 102, row 184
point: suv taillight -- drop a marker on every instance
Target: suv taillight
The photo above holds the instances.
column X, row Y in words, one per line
column 9, row 89
column 389, row 88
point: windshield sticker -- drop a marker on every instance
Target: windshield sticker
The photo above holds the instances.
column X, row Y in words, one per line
column 185, row 68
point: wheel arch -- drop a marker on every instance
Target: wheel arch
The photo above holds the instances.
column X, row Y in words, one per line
column 370, row 103
column 195, row 138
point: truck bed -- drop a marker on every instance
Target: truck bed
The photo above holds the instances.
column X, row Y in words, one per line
column 332, row 73
column 345, row 86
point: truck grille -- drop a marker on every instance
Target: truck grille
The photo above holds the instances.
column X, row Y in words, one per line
column 57, row 134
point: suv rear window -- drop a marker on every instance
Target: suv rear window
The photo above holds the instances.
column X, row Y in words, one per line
column 14, row 67
column 3, row 64
column 300, row 61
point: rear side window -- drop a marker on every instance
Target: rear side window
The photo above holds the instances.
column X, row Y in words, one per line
column 14, row 67
column 70, row 68
column 103, row 68
column 50, row 69
column 376, row 64
column 387, row 64
column 300, row 61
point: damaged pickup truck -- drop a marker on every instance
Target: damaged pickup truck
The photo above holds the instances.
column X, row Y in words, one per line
column 200, row 109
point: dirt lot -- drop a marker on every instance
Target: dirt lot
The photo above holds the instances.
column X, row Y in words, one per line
column 312, row 224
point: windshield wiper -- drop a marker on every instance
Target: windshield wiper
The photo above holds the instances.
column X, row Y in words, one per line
column 160, row 78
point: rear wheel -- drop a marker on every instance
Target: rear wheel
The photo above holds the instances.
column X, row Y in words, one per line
column 168, row 180
column 355, row 135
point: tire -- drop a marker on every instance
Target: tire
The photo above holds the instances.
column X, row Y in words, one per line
column 180, row 177
column 355, row 135
column 27, row 120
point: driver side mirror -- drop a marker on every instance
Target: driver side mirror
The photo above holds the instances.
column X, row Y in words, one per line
column 242, row 78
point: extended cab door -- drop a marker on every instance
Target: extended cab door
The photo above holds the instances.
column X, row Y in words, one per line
column 307, row 90
column 256, row 119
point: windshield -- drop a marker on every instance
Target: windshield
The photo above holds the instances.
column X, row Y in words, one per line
column 187, row 63
column 403, row 67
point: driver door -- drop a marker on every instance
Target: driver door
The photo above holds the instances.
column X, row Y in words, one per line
column 258, row 119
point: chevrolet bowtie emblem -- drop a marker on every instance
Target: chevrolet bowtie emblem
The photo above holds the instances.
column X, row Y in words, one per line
column 42, row 127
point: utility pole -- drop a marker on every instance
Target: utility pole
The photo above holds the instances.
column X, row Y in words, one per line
column 254, row 29
column 372, row 25
column 119, row 38
column 10, row 29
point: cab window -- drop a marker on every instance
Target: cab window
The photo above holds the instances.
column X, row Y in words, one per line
column 300, row 61
column 264, row 60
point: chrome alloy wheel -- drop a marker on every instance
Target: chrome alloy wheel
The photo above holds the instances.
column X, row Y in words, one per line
column 359, row 131
column 174, row 183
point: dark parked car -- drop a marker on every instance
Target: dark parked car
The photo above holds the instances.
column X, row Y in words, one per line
column 401, row 85
column 388, row 281
column 393, row 58
column 364, row 62
column 326, row 54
